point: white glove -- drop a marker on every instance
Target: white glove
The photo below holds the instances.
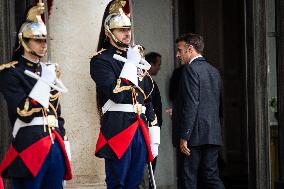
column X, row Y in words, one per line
column 133, row 55
column 68, row 151
column 48, row 73
column 155, row 149
column 41, row 90
column 129, row 70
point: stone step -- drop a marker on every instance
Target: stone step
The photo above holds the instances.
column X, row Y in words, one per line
column 85, row 186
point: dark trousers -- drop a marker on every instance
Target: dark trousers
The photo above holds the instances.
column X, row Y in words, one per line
column 127, row 172
column 201, row 168
column 50, row 175
column 179, row 165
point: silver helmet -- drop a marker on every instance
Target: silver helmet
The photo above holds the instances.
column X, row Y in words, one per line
column 116, row 19
column 33, row 28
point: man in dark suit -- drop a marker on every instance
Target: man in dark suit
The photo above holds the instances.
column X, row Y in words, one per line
column 199, row 121
column 173, row 96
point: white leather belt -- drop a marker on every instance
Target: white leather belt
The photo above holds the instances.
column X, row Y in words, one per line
column 36, row 121
column 112, row 106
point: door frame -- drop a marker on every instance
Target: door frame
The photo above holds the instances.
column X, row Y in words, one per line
column 13, row 13
column 280, row 89
column 257, row 94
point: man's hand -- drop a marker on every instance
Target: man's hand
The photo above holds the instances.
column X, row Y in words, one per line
column 169, row 110
column 183, row 147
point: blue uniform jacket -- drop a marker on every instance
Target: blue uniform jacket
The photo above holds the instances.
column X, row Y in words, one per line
column 20, row 162
column 105, row 71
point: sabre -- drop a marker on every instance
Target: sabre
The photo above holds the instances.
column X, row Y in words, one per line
column 147, row 65
column 132, row 23
column 143, row 63
column 151, row 176
column 46, row 19
column 59, row 85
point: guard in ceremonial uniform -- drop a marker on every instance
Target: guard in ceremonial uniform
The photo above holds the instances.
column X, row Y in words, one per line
column 123, row 87
column 36, row 158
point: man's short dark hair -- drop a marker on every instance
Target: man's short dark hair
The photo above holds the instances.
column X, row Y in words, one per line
column 192, row 39
column 151, row 57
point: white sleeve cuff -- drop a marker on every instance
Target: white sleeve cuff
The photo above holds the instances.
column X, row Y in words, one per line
column 154, row 133
column 68, row 149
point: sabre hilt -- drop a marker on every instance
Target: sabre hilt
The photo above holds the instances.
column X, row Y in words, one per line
column 143, row 64
column 60, row 87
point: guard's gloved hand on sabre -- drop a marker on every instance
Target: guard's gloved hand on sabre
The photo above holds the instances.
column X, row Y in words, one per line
column 41, row 90
column 133, row 54
column 129, row 70
column 154, row 132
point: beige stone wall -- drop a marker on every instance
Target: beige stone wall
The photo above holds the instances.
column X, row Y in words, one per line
column 74, row 30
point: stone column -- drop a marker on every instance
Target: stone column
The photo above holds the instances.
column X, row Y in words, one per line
column 74, row 31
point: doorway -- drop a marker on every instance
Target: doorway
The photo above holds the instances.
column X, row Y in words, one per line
column 221, row 23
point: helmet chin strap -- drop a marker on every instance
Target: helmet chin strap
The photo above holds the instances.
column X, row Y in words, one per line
column 117, row 42
column 35, row 54
column 26, row 47
column 32, row 52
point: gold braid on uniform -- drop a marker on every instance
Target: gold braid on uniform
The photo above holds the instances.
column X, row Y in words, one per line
column 26, row 112
column 118, row 88
column 147, row 73
column 8, row 65
column 97, row 53
column 54, row 110
column 141, row 90
column 55, row 96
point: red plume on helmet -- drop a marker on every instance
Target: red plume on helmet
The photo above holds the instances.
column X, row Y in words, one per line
column 49, row 5
column 126, row 8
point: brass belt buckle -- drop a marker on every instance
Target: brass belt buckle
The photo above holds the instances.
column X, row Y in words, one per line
column 51, row 121
column 138, row 108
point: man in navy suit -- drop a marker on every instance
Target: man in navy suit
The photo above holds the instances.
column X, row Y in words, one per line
column 199, row 115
